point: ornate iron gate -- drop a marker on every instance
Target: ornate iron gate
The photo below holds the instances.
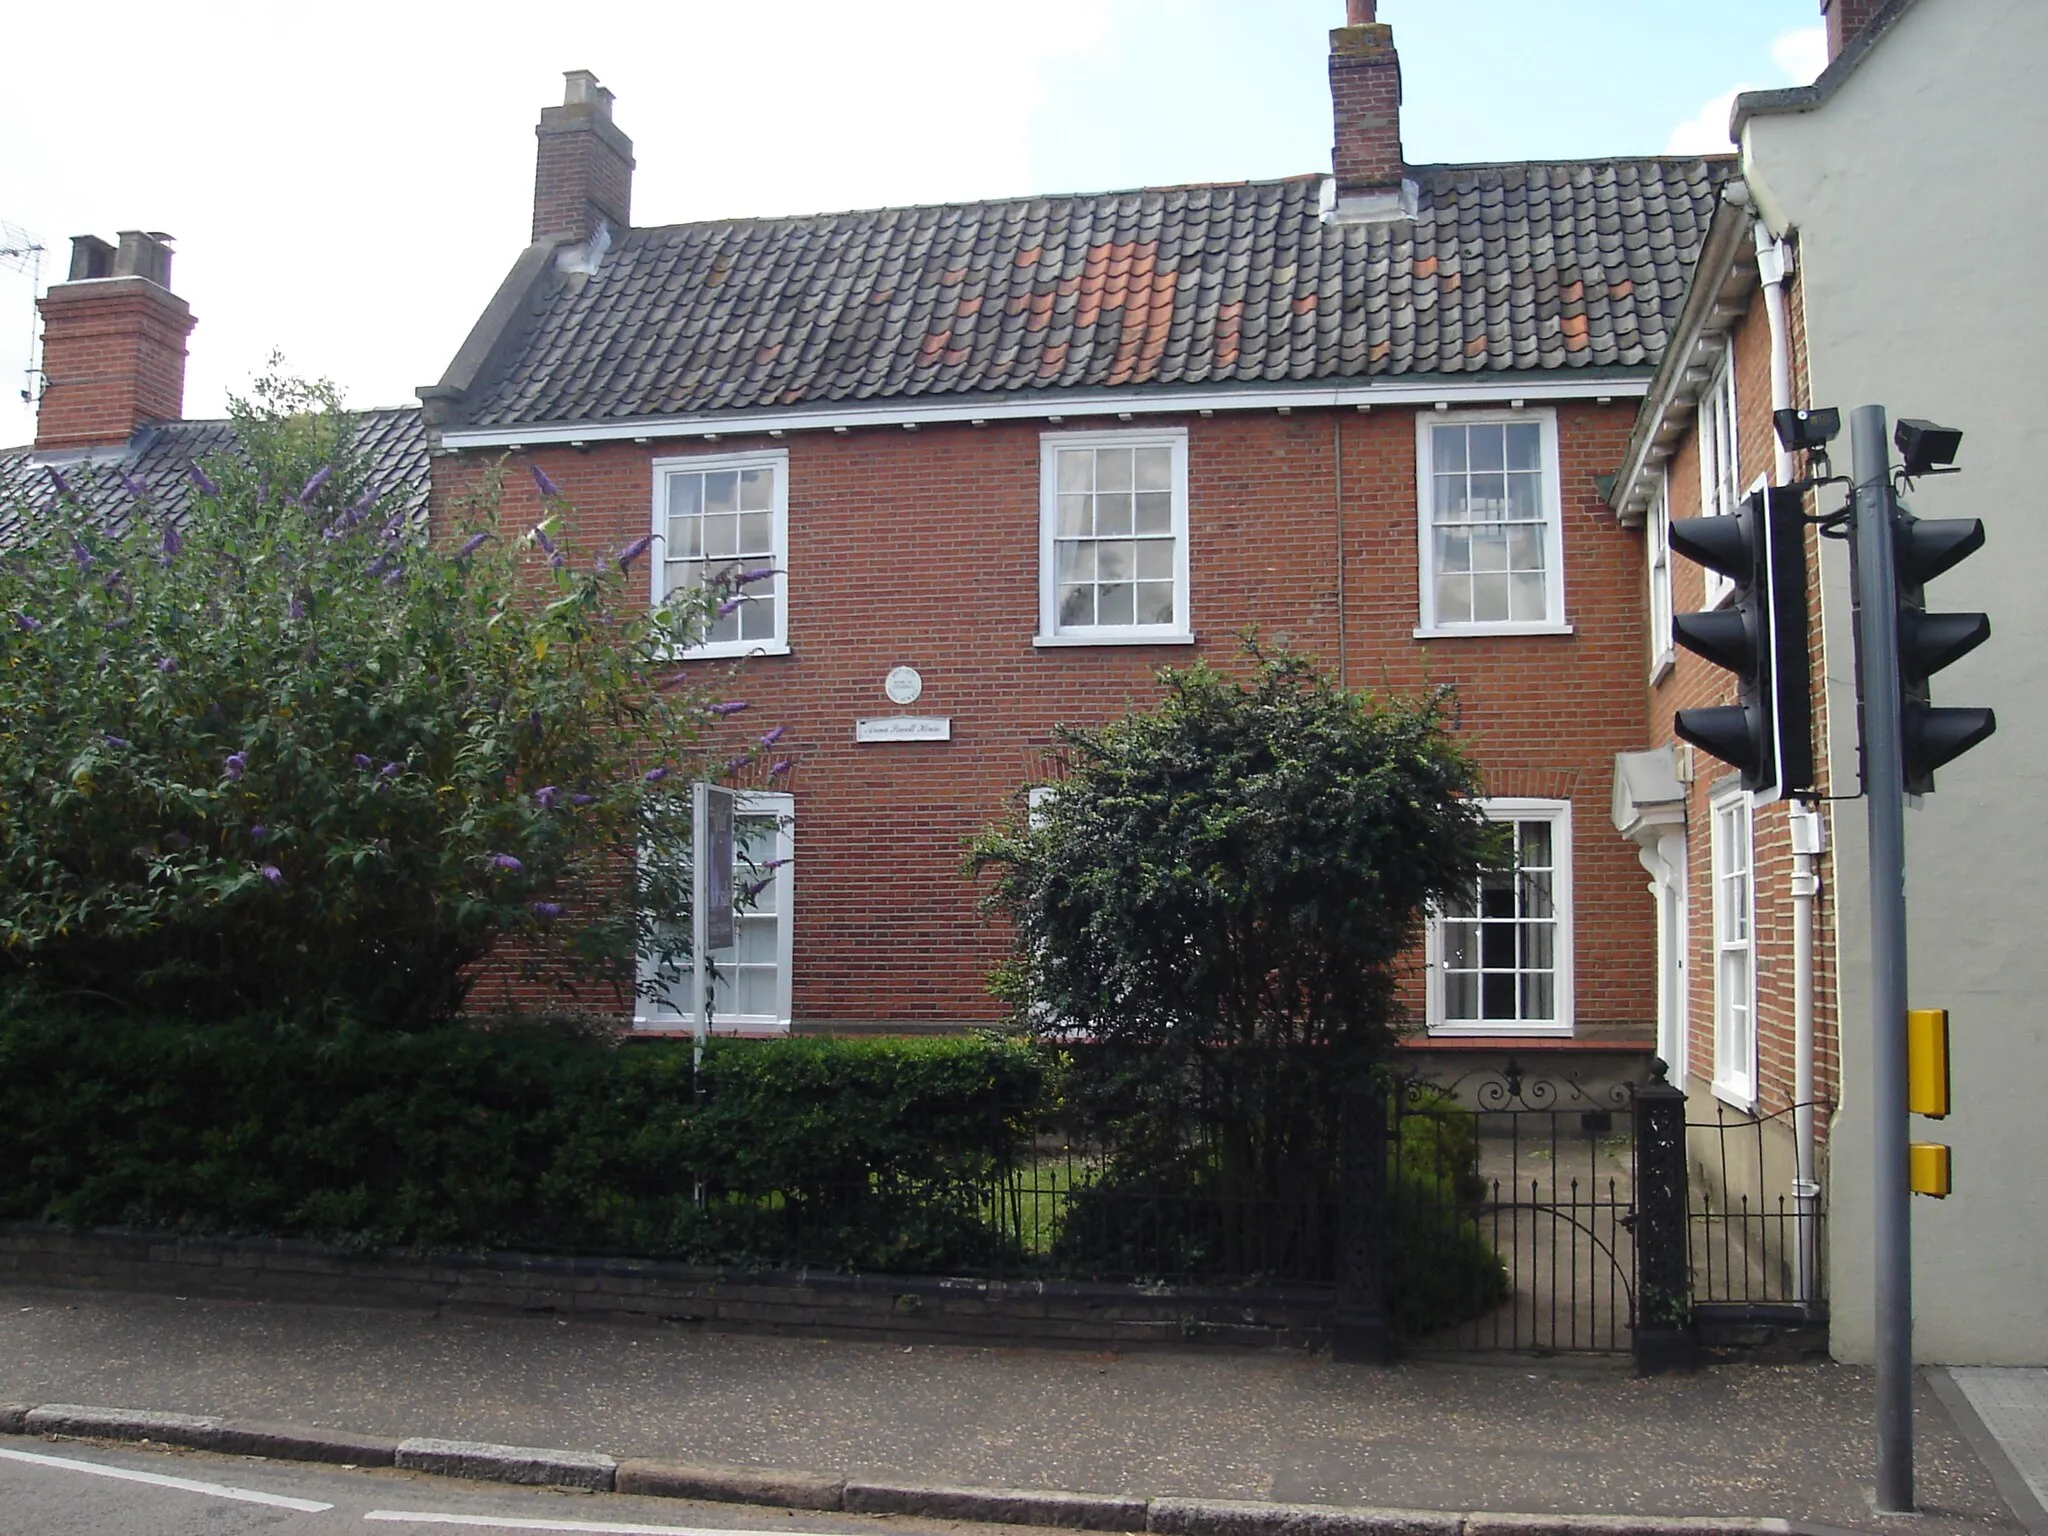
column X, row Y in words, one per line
column 1511, row 1214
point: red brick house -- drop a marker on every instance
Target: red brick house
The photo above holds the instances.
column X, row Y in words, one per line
column 1010, row 457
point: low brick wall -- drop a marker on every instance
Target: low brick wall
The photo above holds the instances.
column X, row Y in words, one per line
column 899, row 1308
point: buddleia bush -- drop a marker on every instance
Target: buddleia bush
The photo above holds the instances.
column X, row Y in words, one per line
column 284, row 755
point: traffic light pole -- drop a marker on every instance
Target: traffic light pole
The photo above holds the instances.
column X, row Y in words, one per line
column 1884, row 789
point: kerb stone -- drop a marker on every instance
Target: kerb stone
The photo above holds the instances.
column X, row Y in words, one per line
column 508, row 1463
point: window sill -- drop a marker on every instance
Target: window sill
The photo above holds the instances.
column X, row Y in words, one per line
column 1736, row 1096
column 1481, row 631
column 669, row 1029
column 1114, row 637
column 1500, row 1031
column 731, row 651
column 1661, row 667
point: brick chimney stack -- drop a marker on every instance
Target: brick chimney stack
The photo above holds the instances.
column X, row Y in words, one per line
column 583, row 171
column 1845, row 19
column 113, row 343
column 1365, row 98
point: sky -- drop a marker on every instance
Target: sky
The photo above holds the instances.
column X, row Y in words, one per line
column 348, row 184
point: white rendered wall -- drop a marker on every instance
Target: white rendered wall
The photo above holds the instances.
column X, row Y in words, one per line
column 1916, row 192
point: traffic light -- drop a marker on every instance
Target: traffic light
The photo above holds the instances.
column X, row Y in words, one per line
column 1930, row 736
column 1760, row 636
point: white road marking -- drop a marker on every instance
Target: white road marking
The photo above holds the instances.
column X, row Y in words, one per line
column 510, row 1523
column 159, row 1480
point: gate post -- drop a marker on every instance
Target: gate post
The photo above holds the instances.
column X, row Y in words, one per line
column 1363, row 1331
column 1664, row 1331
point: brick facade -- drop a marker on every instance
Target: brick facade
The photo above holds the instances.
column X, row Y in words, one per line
column 1695, row 683
column 922, row 549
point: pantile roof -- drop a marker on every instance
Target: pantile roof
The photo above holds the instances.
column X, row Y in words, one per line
column 1504, row 268
column 160, row 458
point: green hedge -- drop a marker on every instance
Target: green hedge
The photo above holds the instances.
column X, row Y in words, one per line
column 858, row 1154
column 875, row 1155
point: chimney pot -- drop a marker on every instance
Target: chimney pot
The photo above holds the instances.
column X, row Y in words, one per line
column 90, row 257
column 1359, row 13
column 144, row 254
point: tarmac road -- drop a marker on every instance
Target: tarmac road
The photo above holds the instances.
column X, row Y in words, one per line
column 67, row 1488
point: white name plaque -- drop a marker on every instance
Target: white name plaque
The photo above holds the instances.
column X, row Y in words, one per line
column 905, row 728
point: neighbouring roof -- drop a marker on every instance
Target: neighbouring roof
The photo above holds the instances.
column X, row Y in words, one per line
column 160, row 458
column 1505, row 268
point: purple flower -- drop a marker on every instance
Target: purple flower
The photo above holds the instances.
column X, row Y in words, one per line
column 118, row 743
column 273, row 874
column 394, row 525
column 748, row 578
column 769, row 738
column 729, row 707
column 362, row 761
column 634, row 551
column 545, row 797
column 754, row 888
column 296, row 608
column 202, row 479
column 730, row 605
column 474, row 543
column 236, row 765
column 259, row 832
column 540, row 537
column 547, row 486
column 779, row 767
column 775, row 863
column 506, row 862
column 654, row 775
column 80, row 553
column 318, row 478
column 57, row 479
column 580, row 800
column 733, row 765
column 391, row 770
column 27, row 625
column 394, row 576
column 172, row 542
column 134, row 486
column 362, row 503
column 558, row 560
column 378, row 566
column 166, row 665
column 547, row 910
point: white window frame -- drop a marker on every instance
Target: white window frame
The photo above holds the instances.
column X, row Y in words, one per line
column 776, row 459
column 1657, row 531
column 1553, row 622
column 1050, row 631
column 1733, row 937
column 751, row 804
column 1559, row 814
column 1718, row 431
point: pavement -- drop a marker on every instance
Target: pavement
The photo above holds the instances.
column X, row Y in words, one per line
column 1154, row 1430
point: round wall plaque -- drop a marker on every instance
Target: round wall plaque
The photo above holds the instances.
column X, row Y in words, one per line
column 903, row 685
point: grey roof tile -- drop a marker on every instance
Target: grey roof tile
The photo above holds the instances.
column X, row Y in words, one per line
column 160, row 458
column 1208, row 284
